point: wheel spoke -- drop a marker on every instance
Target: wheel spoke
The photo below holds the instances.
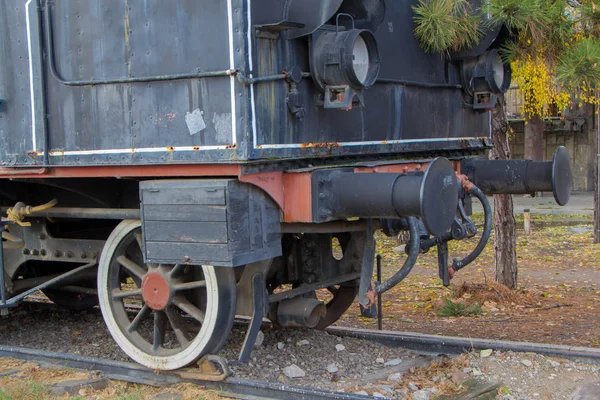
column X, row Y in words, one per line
column 189, row 285
column 188, row 308
column 333, row 290
column 138, row 239
column 177, row 325
column 177, row 269
column 135, row 270
column 160, row 324
column 120, row 294
column 138, row 319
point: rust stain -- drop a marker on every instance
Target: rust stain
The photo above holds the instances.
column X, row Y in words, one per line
column 170, row 149
column 196, row 148
column 231, row 146
column 327, row 145
column 298, row 197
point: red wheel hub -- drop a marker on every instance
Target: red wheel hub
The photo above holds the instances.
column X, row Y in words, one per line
column 156, row 291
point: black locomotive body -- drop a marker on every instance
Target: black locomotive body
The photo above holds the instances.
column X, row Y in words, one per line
column 192, row 156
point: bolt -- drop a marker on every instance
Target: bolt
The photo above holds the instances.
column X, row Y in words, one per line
column 43, row 252
column 57, row 253
column 83, row 255
column 69, row 254
column 42, row 236
column 26, row 251
column 34, row 252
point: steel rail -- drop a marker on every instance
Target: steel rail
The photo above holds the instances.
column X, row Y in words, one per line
column 134, row 373
column 450, row 345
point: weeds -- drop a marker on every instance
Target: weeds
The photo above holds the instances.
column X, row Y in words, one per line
column 452, row 309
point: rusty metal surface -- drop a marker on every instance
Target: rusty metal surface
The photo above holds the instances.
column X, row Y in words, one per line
column 298, row 204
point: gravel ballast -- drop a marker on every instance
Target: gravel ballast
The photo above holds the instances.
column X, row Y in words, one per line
column 320, row 360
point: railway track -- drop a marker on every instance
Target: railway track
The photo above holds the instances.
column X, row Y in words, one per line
column 420, row 343
column 134, row 373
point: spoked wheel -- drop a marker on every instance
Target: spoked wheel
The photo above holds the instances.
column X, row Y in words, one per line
column 343, row 297
column 186, row 311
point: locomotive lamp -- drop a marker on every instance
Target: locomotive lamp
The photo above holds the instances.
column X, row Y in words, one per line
column 343, row 64
column 485, row 77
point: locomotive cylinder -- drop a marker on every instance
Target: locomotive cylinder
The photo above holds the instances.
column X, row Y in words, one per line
column 523, row 176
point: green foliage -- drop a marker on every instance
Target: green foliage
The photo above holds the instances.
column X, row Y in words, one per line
column 452, row 309
column 529, row 16
column 446, row 25
column 26, row 390
column 579, row 66
column 590, row 17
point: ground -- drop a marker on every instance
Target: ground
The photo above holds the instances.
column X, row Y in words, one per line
column 557, row 301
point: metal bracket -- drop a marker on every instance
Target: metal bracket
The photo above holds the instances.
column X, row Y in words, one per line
column 260, row 302
column 273, row 31
column 367, row 266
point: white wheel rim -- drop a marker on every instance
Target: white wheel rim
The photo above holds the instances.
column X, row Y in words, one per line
column 188, row 354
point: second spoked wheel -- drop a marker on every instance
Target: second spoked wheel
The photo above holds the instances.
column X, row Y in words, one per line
column 162, row 316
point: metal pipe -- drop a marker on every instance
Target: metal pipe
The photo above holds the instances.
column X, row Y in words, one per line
column 157, row 78
column 12, row 241
column 485, row 236
column 86, row 213
column 425, row 85
column 79, row 289
column 413, row 253
column 51, row 282
column 277, row 297
column 300, row 312
column 269, row 78
column 20, row 285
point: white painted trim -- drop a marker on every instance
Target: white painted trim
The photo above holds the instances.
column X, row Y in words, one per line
column 58, row 153
column 31, row 85
column 382, row 142
column 232, row 79
column 250, row 62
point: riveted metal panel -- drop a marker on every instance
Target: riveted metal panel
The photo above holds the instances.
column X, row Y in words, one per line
column 21, row 94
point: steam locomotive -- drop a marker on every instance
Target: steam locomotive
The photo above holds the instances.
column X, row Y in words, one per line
column 183, row 162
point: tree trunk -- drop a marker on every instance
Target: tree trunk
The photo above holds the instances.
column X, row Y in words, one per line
column 534, row 139
column 505, row 246
column 597, row 176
